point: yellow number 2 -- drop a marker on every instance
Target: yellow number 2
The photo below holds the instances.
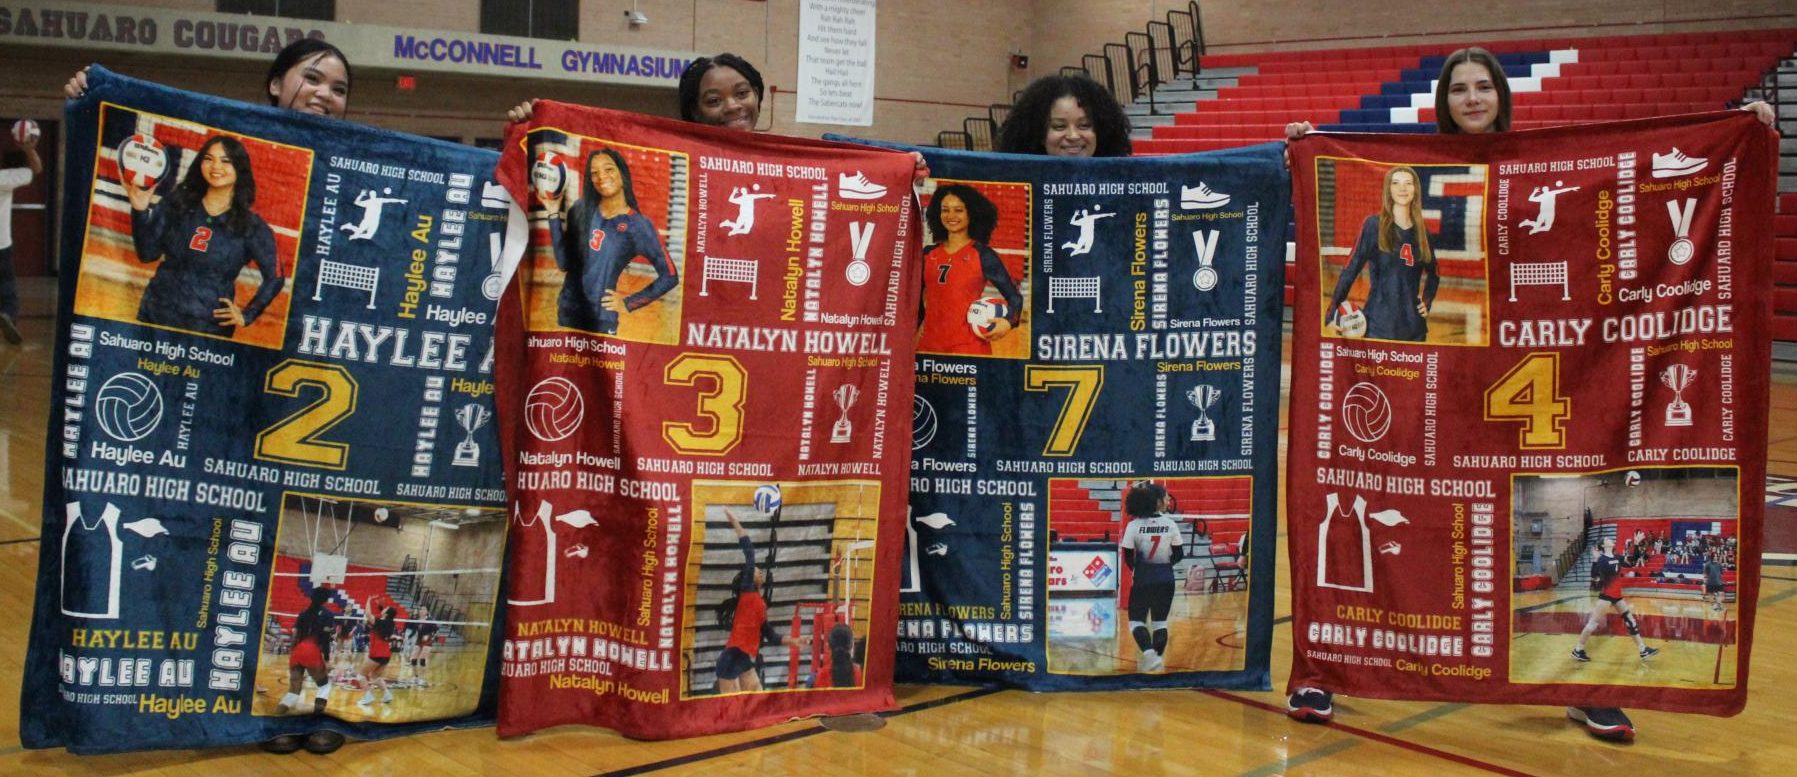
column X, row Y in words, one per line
column 295, row 439
column 1530, row 393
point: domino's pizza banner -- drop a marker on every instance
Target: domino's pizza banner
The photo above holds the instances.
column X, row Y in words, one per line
column 705, row 373
column 1092, row 329
column 1528, row 424
column 273, row 500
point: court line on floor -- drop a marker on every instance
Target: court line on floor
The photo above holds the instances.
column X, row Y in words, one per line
column 15, row 542
column 1375, row 736
column 791, row 735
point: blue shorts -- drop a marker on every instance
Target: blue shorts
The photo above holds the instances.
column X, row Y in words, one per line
column 733, row 662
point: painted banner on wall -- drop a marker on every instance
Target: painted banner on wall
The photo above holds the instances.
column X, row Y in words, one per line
column 701, row 358
column 1092, row 328
column 273, row 500
column 1529, row 413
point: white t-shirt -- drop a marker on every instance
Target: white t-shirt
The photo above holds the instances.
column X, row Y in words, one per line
column 11, row 178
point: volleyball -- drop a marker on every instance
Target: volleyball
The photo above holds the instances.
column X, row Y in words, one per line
column 128, row 406
column 1350, row 321
column 923, row 422
column 767, row 498
column 553, row 409
column 1631, row 479
column 982, row 314
column 550, row 174
column 142, row 160
column 1366, row 412
column 25, row 131
column 380, row 515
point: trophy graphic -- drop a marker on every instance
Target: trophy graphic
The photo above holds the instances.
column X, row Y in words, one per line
column 845, row 396
column 1202, row 396
column 471, row 417
column 1677, row 377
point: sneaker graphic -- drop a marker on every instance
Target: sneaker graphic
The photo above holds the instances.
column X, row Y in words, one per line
column 1674, row 163
column 1581, row 654
column 1201, row 197
column 857, row 187
column 1647, row 653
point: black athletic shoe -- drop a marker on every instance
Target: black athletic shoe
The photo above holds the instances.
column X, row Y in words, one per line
column 284, row 744
column 10, row 330
column 1649, row 652
column 1310, row 705
column 1580, row 654
column 1607, row 723
column 323, row 742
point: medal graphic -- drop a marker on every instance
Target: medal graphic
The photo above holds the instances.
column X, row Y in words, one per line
column 471, row 417
column 845, row 395
column 1202, row 397
column 1677, row 377
column 1206, row 244
column 861, row 234
column 1681, row 249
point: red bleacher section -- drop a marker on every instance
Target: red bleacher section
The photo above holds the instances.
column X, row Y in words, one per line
column 287, row 595
column 1615, row 78
column 1224, row 503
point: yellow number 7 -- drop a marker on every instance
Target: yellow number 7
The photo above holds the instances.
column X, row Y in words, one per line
column 1084, row 382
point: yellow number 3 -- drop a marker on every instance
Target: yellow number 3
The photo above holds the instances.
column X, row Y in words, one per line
column 1530, row 393
column 721, row 404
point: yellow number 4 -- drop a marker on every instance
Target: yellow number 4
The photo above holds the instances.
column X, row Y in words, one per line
column 1084, row 382
column 1530, row 393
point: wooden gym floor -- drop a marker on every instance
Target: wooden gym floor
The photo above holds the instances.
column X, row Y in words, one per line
column 942, row 731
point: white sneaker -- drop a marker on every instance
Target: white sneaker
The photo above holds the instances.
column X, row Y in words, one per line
column 1150, row 661
column 367, row 700
column 1201, row 197
column 387, row 698
column 857, row 187
column 1674, row 163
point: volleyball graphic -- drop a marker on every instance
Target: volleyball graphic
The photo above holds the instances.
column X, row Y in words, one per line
column 983, row 312
column 1631, row 479
column 1350, row 321
column 767, row 497
column 128, row 406
column 553, row 409
column 1366, row 412
column 550, row 174
column 142, row 160
column 380, row 515
column 923, row 422
column 25, row 131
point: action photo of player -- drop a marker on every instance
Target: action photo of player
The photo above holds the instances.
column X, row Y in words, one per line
column 595, row 238
column 424, row 635
column 381, row 632
column 313, row 633
column 203, row 233
column 1403, row 274
column 745, row 615
column 958, row 268
column 1606, row 579
column 1152, row 543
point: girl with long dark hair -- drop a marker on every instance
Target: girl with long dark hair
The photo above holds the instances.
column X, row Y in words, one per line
column 203, row 233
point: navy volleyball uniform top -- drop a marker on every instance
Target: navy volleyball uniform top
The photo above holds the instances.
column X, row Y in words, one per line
column 1399, row 279
column 200, row 260
column 593, row 252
